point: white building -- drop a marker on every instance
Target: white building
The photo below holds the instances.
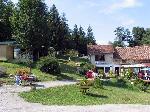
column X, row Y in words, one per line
column 108, row 58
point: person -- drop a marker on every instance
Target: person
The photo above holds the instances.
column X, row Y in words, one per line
column 17, row 80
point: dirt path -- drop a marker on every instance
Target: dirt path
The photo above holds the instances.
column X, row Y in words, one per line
column 11, row 102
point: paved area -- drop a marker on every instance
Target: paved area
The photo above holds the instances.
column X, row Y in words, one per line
column 11, row 102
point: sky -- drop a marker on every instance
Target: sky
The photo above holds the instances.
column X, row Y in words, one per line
column 104, row 16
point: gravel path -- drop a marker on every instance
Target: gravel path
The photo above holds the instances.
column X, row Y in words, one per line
column 11, row 102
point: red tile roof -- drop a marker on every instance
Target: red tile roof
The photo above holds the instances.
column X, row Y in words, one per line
column 133, row 53
column 96, row 49
column 126, row 53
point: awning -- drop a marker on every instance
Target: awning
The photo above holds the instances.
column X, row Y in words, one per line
column 134, row 65
column 146, row 64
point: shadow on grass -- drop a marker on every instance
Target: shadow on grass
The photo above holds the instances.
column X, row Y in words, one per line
column 96, row 95
column 116, row 83
column 64, row 77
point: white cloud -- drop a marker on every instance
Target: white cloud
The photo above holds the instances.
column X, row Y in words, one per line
column 125, row 4
column 122, row 4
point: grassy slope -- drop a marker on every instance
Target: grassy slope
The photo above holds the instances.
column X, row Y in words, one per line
column 11, row 69
column 71, row 95
column 68, row 69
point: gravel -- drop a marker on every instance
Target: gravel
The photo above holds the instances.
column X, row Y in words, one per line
column 11, row 102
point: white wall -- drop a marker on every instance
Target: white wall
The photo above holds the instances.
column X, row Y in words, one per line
column 109, row 58
column 92, row 59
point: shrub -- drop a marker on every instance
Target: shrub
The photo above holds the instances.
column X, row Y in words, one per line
column 49, row 65
column 128, row 74
column 111, row 74
column 141, row 85
column 98, row 83
column 101, row 73
column 121, row 82
column 85, row 67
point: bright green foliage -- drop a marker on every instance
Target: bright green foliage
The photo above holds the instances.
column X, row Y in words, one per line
column 29, row 22
column 128, row 74
column 98, row 83
column 70, row 95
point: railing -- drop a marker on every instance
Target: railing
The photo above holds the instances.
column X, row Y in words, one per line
column 100, row 62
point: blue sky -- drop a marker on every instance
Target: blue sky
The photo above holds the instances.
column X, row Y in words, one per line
column 104, row 15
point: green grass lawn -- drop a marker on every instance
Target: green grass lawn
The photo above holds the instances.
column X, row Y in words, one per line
column 69, row 68
column 11, row 69
column 68, row 71
column 71, row 95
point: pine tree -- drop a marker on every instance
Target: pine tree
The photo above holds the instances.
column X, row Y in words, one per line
column 76, row 36
column 90, row 36
column 6, row 9
column 82, row 42
column 54, row 24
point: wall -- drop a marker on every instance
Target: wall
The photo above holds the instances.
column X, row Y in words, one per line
column 109, row 58
column 10, row 52
column 92, row 59
column 6, row 52
column 3, row 52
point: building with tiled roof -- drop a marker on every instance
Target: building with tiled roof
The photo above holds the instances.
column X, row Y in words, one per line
column 107, row 56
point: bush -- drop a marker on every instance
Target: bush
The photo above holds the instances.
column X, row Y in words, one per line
column 141, row 85
column 111, row 74
column 101, row 73
column 98, row 83
column 128, row 74
column 121, row 82
column 85, row 67
column 49, row 65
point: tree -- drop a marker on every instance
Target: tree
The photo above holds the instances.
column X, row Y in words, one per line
column 63, row 33
column 76, row 36
column 29, row 22
column 6, row 9
column 146, row 37
column 54, row 23
column 90, row 36
column 118, row 44
column 122, row 35
column 138, row 34
column 82, row 49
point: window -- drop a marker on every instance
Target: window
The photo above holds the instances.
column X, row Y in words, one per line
column 99, row 57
